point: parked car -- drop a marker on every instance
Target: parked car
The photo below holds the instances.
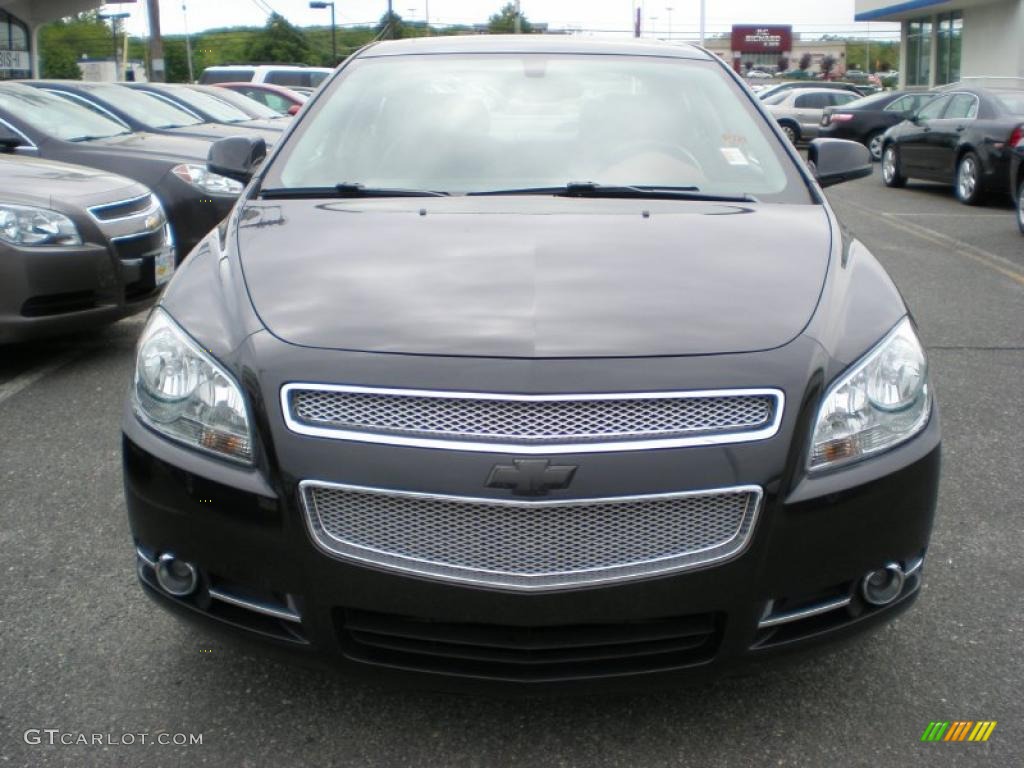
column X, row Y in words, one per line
column 962, row 137
column 285, row 101
column 79, row 248
column 274, row 74
column 1017, row 174
column 867, row 119
column 256, row 110
column 465, row 417
column 210, row 108
column 144, row 111
column 799, row 110
column 40, row 124
column 757, row 74
column 767, row 93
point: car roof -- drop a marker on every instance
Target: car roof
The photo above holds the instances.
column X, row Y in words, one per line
column 532, row 44
column 267, row 67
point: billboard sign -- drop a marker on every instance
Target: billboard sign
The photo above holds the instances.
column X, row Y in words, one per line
column 762, row 39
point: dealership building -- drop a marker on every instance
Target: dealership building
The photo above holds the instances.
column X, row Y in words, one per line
column 20, row 21
column 946, row 40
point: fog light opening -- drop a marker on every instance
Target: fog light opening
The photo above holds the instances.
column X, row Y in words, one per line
column 175, row 576
column 883, row 586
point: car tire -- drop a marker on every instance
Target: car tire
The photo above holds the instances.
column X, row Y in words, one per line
column 791, row 131
column 1020, row 206
column 892, row 175
column 874, row 143
column 968, row 179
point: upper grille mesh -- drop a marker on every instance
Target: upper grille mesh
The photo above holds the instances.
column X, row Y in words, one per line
column 528, row 545
column 532, row 421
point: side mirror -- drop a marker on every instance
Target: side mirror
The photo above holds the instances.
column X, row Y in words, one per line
column 236, row 157
column 9, row 139
column 293, row 109
column 834, row 161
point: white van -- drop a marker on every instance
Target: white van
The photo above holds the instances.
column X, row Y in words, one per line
column 275, row 74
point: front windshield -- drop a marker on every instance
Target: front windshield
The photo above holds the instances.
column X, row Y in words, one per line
column 56, row 117
column 462, row 124
column 144, row 107
column 868, row 101
column 251, row 107
column 219, row 110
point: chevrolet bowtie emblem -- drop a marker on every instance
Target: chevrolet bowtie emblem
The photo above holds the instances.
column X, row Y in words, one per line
column 530, row 477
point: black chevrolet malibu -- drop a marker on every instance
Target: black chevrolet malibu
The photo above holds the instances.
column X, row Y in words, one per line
column 533, row 361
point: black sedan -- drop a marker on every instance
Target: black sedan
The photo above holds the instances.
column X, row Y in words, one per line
column 79, row 248
column 143, row 111
column 534, row 390
column 1017, row 174
column 962, row 137
column 40, row 124
column 866, row 120
column 209, row 107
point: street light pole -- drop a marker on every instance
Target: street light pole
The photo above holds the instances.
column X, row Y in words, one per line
column 113, row 18
column 334, row 27
column 702, row 22
column 188, row 43
column 158, row 73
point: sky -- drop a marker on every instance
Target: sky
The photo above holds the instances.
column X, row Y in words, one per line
column 601, row 16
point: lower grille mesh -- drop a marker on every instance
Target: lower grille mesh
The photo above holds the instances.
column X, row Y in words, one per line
column 533, row 654
column 526, row 545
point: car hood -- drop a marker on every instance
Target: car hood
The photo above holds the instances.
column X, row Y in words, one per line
column 30, row 181
column 533, row 277
column 179, row 148
column 214, row 131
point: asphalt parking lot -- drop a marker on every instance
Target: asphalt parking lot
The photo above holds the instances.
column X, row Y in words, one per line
column 83, row 651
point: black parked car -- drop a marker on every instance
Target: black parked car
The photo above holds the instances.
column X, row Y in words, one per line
column 211, row 108
column 143, row 111
column 867, row 119
column 41, row 124
column 79, row 248
column 1017, row 174
column 962, row 138
column 506, row 396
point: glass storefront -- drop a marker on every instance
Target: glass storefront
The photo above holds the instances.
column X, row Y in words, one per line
column 919, row 51
column 14, row 53
column 950, row 34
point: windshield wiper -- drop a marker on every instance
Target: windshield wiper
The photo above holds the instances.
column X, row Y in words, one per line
column 647, row 192
column 88, row 137
column 346, row 190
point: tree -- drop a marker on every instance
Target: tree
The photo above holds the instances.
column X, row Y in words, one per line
column 61, row 64
column 805, row 61
column 504, row 21
column 782, row 64
column 279, row 42
column 828, row 63
column 391, row 26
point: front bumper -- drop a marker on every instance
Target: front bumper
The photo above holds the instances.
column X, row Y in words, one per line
column 47, row 291
column 260, row 574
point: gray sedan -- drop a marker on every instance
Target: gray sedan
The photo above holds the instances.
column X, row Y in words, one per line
column 799, row 110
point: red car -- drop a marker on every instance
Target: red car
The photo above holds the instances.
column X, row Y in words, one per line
column 278, row 98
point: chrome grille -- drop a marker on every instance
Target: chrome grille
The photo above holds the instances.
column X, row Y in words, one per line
column 514, row 422
column 122, row 208
column 530, row 545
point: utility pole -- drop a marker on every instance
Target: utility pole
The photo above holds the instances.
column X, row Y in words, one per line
column 391, row 21
column 519, row 15
column 158, row 71
column 702, row 22
column 188, row 43
column 636, row 24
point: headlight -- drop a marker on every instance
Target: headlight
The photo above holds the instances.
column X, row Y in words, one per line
column 25, row 225
column 882, row 401
column 206, row 180
column 181, row 392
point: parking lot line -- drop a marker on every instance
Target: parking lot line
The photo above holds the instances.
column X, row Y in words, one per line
column 991, row 260
column 23, row 380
